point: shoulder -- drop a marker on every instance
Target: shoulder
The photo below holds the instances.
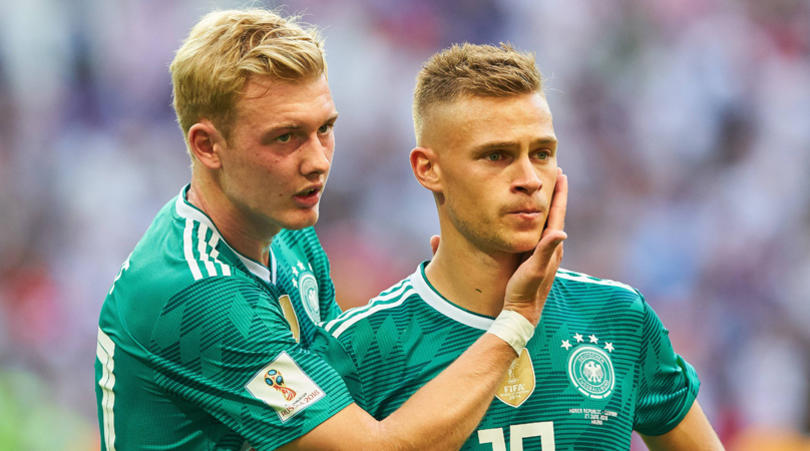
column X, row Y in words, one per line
column 177, row 259
column 359, row 321
column 174, row 253
column 590, row 289
column 584, row 281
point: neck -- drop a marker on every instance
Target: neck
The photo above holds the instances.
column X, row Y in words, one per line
column 470, row 277
column 238, row 231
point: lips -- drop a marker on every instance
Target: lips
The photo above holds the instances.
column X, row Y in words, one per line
column 309, row 197
column 308, row 192
column 528, row 216
column 525, row 210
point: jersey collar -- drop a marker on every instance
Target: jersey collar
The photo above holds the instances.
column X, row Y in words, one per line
column 433, row 298
column 188, row 211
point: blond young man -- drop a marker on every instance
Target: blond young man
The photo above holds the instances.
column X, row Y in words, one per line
column 600, row 365
column 203, row 337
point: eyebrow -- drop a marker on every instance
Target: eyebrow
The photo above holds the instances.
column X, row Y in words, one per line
column 292, row 127
column 544, row 141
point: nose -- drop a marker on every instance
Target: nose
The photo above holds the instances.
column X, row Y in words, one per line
column 526, row 178
column 317, row 157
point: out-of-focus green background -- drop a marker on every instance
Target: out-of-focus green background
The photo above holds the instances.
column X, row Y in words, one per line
column 684, row 126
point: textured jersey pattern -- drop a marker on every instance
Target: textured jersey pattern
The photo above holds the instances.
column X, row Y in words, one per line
column 195, row 351
column 600, row 363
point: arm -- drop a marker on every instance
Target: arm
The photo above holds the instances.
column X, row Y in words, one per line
column 693, row 433
column 444, row 412
column 441, row 415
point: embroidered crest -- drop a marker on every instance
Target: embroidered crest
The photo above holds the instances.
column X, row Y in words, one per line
column 591, row 371
column 308, row 289
column 309, row 296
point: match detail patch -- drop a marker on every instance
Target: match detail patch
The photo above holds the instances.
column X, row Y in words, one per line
column 285, row 387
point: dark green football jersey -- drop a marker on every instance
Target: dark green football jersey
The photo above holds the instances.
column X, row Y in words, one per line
column 599, row 366
column 200, row 347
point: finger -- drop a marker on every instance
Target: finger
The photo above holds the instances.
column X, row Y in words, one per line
column 559, row 204
column 532, row 276
column 434, row 243
column 556, row 259
column 543, row 254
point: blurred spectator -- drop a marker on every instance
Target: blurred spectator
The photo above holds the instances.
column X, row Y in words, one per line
column 684, row 124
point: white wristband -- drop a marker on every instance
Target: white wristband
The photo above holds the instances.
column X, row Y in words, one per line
column 513, row 328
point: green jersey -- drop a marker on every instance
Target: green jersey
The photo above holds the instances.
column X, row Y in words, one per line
column 599, row 366
column 200, row 347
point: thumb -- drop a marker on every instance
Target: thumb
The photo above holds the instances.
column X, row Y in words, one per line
column 543, row 252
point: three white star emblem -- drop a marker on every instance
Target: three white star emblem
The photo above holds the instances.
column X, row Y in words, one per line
column 592, row 338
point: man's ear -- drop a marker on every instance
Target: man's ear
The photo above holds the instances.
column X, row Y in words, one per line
column 425, row 165
column 205, row 143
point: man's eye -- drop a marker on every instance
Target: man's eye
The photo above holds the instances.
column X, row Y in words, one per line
column 284, row 138
column 324, row 128
column 494, row 156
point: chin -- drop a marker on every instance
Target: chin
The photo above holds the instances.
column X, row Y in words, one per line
column 301, row 222
column 522, row 244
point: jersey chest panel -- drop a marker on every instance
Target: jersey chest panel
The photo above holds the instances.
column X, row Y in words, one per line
column 297, row 282
column 582, row 395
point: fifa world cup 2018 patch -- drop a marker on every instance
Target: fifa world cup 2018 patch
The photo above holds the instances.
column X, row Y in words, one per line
column 590, row 368
column 285, row 387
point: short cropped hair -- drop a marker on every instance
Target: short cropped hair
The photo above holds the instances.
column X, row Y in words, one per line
column 473, row 70
column 225, row 48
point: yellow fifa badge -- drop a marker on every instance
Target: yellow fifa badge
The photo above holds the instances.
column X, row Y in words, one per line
column 519, row 382
column 289, row 314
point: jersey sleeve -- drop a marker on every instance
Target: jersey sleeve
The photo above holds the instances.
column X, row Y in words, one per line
column 668, row 383
column 335, row 352
column 223, row 346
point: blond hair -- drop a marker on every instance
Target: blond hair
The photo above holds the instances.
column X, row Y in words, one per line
column 225, row 48
column 473, row 70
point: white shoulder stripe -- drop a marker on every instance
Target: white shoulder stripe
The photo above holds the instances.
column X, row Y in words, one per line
column 191, row 213
column 579, row 277
column 208, row 259
column 188, row 252
column 226, row 269
column 393, row 292
column 105, row 352
column 373, row 309
column 202, row 230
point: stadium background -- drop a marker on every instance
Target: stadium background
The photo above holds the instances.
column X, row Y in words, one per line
column 684, row 126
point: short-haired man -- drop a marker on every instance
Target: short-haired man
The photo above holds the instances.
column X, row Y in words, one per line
column 600, row 365
column 203, row 337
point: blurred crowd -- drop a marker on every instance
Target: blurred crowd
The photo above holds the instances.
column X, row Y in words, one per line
column 684, row 126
